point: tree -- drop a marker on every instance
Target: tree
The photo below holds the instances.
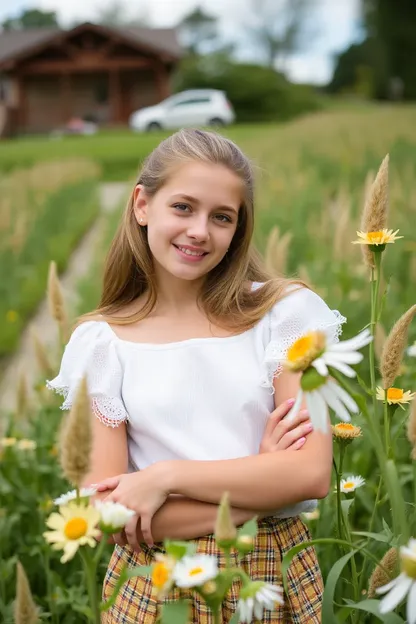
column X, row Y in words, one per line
column 197, row 29
column 31, row 18
column 278, row 27
column 117, row 13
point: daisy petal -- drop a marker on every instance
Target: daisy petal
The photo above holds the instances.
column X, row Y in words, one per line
column 396, row 595
column 342, row 394
column 349, row 357
column 335, row 403
column 293, row 412
column 344, row 369
column 361, row 340
column 318, row 410
column 411, row 605
column 320, row 366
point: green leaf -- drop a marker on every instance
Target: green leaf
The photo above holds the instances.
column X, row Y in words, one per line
column 371, row 606
column 179, row 549
column 378, row 537
column 396, row 499
column 328, row 614
column 345, row 506
column 249, row 528
column 175, row 612
column 364, row 386
column 235, row 619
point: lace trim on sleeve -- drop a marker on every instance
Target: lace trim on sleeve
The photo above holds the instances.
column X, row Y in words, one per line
column 276, row 350
column 109, row 410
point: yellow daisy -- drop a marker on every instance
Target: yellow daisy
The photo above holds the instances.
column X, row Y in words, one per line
column 382, row 237
column 74, row 526
column 395, row 396
column 162, row 574
column 7, row 442
column 346, row 431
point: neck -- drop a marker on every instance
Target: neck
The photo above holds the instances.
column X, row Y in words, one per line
column 176, row 295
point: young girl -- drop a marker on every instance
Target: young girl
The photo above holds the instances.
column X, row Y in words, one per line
column 182, row 358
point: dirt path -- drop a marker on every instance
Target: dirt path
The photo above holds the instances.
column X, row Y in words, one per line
column 110, row 196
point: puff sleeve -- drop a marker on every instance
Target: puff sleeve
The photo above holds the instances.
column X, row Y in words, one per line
column 91, row 350
column 299, row 312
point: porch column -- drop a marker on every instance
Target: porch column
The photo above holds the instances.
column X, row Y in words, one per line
column 162, row 80
column 114, row 96
column 66, row 97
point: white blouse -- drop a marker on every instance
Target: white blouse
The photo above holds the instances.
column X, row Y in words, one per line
column 198, row 399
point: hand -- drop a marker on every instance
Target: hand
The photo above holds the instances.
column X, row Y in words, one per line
column 281, row 435
column 145, row 492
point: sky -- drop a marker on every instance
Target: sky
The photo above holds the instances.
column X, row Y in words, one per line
column 335, row 24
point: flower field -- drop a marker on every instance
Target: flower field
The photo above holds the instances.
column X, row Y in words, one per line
column 323, row 183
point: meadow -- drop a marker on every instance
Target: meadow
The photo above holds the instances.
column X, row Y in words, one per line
column 313, row 177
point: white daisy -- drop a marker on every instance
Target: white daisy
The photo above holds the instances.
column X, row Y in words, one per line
column 404, row 584
column 192, row 571
column 114, row 516
column 411, row 351
column 340, row 354
column 26, row 445
column 74, row 526
column 256, row 597
column 162, row 574
column 84, row 493
column 327, row 394
column 350, row 484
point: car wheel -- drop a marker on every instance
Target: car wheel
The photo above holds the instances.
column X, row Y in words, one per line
column 216, row 122
column 153, row 126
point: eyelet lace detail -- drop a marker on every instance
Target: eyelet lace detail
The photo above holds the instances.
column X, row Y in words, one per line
column 276, row 350
column 109, row 410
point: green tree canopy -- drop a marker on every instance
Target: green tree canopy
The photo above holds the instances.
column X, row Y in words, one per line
column 31, row 18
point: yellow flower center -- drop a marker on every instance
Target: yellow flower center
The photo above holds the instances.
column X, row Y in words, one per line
column 160, row 575
column 345, row 427
column 195, row 571
column 348, row 485
column 395, row 394
column 304, row 350
column 75, row 528
column 375, row 238
column 408, row 566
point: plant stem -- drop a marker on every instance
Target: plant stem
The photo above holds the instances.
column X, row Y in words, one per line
column 386, row 428
column 90, row 574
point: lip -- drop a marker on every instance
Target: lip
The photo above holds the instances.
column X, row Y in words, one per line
column 187, row 257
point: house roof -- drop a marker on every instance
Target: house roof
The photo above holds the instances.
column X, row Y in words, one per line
column 20, row 43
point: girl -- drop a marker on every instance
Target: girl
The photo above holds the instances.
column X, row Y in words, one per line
column 182, row 358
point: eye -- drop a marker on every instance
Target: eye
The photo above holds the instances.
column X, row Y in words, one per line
column 224, row 218
column 181, row 207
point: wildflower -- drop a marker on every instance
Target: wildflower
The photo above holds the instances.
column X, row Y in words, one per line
column 379, row 577
column 377, row 240
column 394, row 396
column 162, row 574
column 114, row 516
column 225, row 530
column 84, row 493
column 402, row 585
column 351, row 484
column 74, row 526
column 25, row 609
column 7, row 442
column 391, row 357
column 244, row 543
column 312, row 515
column 193, row 571
column 255, row 597
column 26, row 445
column 411, row 351
column 210, row 587
column 346, row 432
column 76, row 437
column 56, row 301
column 12, row 316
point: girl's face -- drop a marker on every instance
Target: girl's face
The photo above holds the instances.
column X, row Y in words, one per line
column 192, row 219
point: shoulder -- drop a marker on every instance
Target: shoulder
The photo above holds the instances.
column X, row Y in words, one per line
column 91, row 331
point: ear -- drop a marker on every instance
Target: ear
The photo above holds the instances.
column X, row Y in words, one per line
column 140, row 204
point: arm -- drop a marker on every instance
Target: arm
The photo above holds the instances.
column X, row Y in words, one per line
column 261, row 482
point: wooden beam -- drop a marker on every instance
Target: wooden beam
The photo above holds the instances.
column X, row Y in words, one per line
column 162, row 80
column 114, row 95
column 80, row 66
column 66, row 99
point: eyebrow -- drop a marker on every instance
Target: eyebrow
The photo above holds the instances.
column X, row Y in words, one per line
column 196, row 201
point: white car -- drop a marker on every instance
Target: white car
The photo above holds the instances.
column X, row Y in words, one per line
column 199, row 107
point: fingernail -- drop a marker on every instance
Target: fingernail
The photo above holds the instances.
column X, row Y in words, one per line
column 290, row 402
column 304, row 412
column 309, row 427
column 301, row 441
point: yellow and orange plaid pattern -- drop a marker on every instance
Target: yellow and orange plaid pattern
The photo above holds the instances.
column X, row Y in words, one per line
column 135, row 602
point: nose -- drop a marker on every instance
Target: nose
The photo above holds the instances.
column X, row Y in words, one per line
column 199, row 229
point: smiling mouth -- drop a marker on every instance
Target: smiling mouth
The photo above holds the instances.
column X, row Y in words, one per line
column 189, row 252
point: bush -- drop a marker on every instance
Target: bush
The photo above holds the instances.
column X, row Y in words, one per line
column 257, row 93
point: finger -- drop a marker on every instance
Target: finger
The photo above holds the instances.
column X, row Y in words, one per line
column 108, row 484
column 119, row 538
column 285, row 426
column 131, row 532
column 145, row 526
column 297, row 445
column 277, row 415
column 295, row 434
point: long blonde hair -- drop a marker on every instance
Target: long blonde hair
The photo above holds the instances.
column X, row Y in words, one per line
column 226, row 297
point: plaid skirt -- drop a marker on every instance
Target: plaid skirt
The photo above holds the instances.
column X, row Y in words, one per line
column 302, row 603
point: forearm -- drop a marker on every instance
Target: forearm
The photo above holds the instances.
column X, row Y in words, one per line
column 182, row 518
column 259, row 482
